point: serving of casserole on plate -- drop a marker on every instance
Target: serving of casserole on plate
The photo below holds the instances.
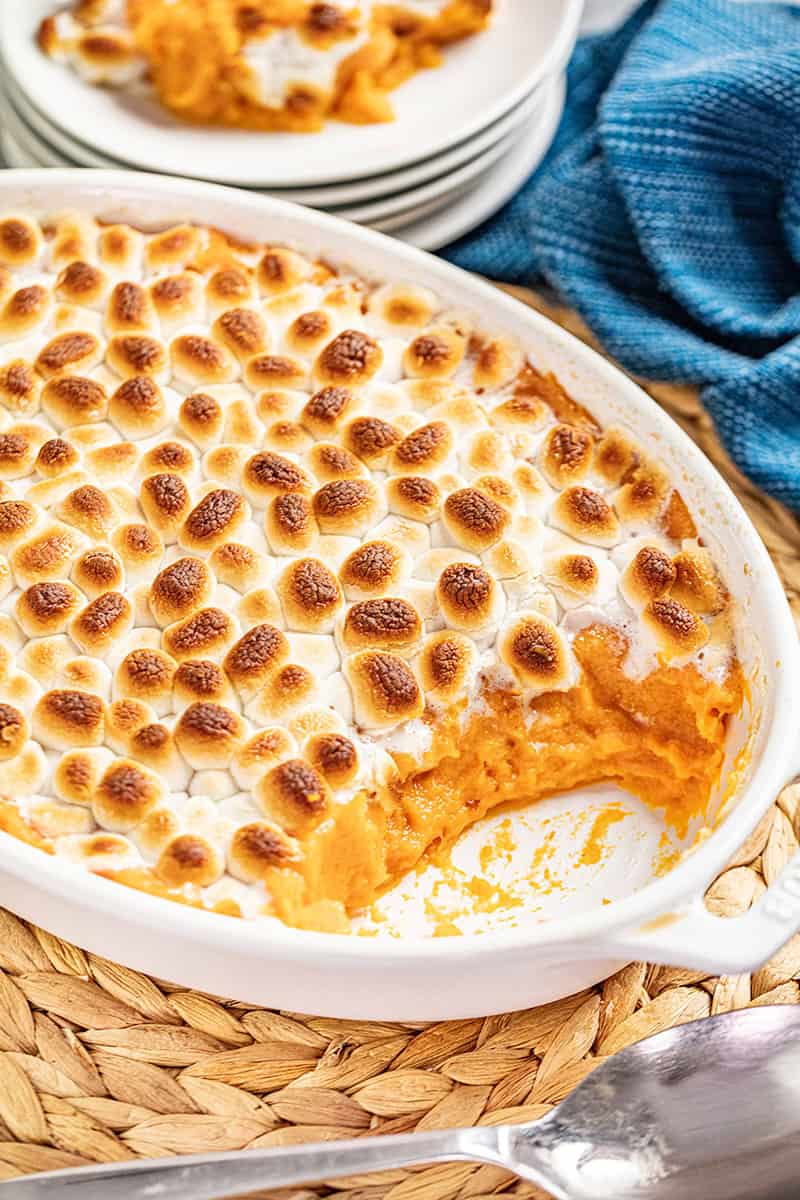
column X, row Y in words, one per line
column 315, row 553
column 268, row 65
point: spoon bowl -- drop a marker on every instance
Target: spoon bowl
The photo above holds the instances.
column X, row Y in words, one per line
column 710, row 1109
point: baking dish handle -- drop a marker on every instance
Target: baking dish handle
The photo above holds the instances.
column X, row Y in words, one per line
column 695, row 938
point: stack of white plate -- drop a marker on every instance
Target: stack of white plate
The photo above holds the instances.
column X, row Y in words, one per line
column 466, row 136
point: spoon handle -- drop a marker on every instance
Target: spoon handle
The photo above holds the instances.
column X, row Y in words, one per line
column 215, row 1176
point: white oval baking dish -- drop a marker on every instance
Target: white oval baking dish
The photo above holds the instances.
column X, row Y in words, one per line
column 412, row 978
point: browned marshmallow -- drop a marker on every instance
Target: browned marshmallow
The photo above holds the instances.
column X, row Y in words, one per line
column 566, row 455
column 287, row 692
column 309, row 332
column 334, row 757
column 348, row 506
column 63, row 719
column 260, row 753
column 200, row 679
column 178, row 299
column 17, row 521
column 180, row 589
column 123, row 718
column 281, row 270
column 175, row 247
column 290, row 525
column 269, row 371
column 422, row 451
column 294, row 795
column 205, row 634
column 415, row 497
column 130, row 310
column 166, row 504
column 55, row 457
column 382, row 623
column 201, row 418
column 474, row 520
column 208, row 735
column 119, row 248
column 78, row 773
column 267, row 474
column 82, row 283
column 384, row 688
column 18, row 450
column 112, row 464
column 403, row 306
column 46, row 555
column 645, row 494
column 434, row 354
column 217, row 517
column 169, row 456
column 677, row 631
column 496, row 363
column 98, row 571
column 74, row 400
column 124, row 795
column 102, row 623
column 229, row 286
column 89, row 509
column 24, row 311
column 372, row 440
column 68, row 353
column 577, row 575
column 242, row 331
column 252, row 659
column 139, row 547
column 616, row 455
column 259, row 848
column 587, row 516
column 189, row 859
column 137, row 408
column 446, row 665
column 47, row 608
column 697, row 584
column 329, row 461
column 20, row 241
column 286, row 436
column 199, row 361
column 310, row 595
column 350, row 360
column 649, row 575
column 132, row 354
column 238, row 566
column 20, row 388
column 468, row 597
column 146, row 675
column 373, row 569
column 13, row 731
column 518, row 414
column 538, row 654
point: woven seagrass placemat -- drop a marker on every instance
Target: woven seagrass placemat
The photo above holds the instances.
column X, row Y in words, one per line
column 99, row 1063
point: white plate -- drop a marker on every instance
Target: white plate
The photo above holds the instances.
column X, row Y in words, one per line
column 578, row 939
column 397, row 209
column 496, row 188
column 13, row 154
column 482, row 79
column 445, row 185
column 70, row 152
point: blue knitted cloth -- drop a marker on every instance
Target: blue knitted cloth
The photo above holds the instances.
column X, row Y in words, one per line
column 668, row 214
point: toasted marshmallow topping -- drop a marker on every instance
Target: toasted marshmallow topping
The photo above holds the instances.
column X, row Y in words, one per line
column 257, row 523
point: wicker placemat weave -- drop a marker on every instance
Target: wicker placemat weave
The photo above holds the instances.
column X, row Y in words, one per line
column 99, row 1063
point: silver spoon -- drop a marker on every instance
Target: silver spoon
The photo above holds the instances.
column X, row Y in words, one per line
column 710, row 1109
